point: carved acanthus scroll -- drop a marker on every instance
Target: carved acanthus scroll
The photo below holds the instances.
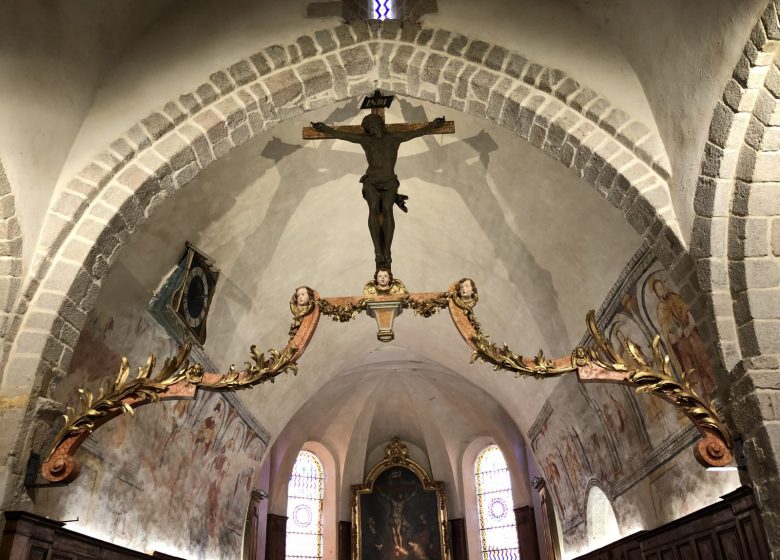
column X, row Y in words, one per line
column 180, row 379
column 602, row 364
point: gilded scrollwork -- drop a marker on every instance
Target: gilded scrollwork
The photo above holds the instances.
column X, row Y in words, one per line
column 263, row 369
column 598, row 362
column 341, row 313
column 657, row 378
column 115, row 397
column 503, row 358
column 427, row 307
column 123, row 394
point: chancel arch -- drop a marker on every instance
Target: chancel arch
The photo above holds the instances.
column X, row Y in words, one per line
column 120, row 188
column 736, row 243
column 101, row 208
column 11, row 255
column 544, row 196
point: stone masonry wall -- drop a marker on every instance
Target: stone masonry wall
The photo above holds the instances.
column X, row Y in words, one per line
column 736, row 244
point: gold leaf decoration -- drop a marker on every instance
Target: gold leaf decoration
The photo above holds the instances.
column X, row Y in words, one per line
column 504, row 358
column 427, row 307
column 341, row 313
column 263, row 369
column 115, row 395
column 657, row 378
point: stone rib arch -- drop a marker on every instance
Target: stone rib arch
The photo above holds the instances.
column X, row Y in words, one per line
column 96, row 212
column 736, row 245
column 94, row 215
column 10, row 260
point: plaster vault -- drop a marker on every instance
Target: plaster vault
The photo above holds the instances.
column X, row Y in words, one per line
column 96, row 213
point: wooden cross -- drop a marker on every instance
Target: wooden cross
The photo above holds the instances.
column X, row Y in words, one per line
column 377, row 103
column 380, row 142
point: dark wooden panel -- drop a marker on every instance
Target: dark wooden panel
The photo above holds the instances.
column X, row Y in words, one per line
column 685, row 551
column 37, row 553
column 460, row 549
column 526, row 533
column 755, row 545
column 345, row 540
column 730, row 529
column 729, row 544
column 275, row 537
column 706, row 548
column 31, row 537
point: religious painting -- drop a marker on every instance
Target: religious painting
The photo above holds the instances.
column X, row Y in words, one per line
column 672, row 318
column 398, row 513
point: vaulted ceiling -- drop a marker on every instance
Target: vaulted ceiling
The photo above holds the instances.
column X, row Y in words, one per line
column 277, row 212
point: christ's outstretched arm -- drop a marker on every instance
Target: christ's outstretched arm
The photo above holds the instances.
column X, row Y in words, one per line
column 338, row 134
column 427, row 129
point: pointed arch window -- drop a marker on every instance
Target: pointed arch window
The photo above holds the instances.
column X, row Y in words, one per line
column 304, row 509
column 497, row 528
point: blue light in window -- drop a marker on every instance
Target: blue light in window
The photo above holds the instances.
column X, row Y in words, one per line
column 383, row 9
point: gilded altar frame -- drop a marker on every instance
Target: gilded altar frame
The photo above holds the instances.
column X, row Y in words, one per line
column 397, row 455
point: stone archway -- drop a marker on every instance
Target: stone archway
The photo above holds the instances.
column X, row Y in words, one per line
column 736, row 244
column 10, row 260
column 94, row 215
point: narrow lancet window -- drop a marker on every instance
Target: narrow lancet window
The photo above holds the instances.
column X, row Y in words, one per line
column 497, row 529
column 304, row 509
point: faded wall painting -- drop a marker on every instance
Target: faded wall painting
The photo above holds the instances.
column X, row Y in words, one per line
column 635, row 447
column 176, row 477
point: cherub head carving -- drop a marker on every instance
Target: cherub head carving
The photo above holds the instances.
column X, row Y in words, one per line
column 383, row 278
column 466, row 289
column 302, row 301
column 302, row 296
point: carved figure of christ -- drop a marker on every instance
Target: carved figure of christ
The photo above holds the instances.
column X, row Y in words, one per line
column 380, row 142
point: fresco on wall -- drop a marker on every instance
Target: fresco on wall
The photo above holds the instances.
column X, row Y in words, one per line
column 177, row 477
column 635, row 447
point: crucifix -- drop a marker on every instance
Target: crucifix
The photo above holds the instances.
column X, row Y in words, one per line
column 380, row 142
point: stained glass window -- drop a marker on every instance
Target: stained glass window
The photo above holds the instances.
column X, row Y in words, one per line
column 304, row 509
column 382, row 9
column 497, row 530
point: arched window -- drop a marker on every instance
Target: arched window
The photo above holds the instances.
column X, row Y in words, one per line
column 304, row 509
column 382, row 9
column 601, row 522
column 497, row 529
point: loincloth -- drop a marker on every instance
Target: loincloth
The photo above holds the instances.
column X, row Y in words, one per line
column 380, row 183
